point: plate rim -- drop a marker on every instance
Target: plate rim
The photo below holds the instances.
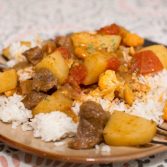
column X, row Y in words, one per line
column 77, row 159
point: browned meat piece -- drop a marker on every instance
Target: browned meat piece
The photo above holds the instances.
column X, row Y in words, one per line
column 90, row 129
column 34, row 55
column 22, row 65
column 26, row 87
column 43, row 80
column 65, row 41
column 32, row 99
column 48, row 47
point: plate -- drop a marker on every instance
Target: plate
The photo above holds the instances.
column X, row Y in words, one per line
column 26, row 142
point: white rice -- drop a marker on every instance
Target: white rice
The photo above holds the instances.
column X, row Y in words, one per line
column 16, row 49
column 12, row 110
column 149, row 106
column 53, row 126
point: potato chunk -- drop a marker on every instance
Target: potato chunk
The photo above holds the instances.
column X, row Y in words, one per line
column 96, row 41
column 56, row 64
column 56, row 102
column 95, row 65
column 123, row 129
column 160, row 51
column 8, row 80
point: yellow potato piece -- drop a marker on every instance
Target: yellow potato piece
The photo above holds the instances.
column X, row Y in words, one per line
column 56, row 63
column 96, row 41
column 95, row 65
column 8, row 80
column 160, row 51
column 56, row 102
column 124, row 129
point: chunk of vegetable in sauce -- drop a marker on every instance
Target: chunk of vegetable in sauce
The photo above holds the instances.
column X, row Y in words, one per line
column 78, row 73
column 95, row 65
column 146, row 62
column 133, row 40
column 57, row 64
column 112, row 29
column 124, row 129
column 160, row 51
column 113, row 64
column 96, row 41
column 8, row 80
column 56, row 102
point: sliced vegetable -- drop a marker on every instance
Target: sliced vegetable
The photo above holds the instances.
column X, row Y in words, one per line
column 160, row 51
column 8, row 80
column 78, row 73
column 112, row 29
column 57, row 64
column 124, row 129
column 96, row 41
column 95, row 65
column 113, row 64
column 146, row 62
column 64, row 51
column 56, row 102
column 133, row 40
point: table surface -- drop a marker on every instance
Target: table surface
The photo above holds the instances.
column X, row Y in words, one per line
column 21, row 19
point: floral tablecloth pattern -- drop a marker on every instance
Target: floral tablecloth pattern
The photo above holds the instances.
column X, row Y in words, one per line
column 23, row 19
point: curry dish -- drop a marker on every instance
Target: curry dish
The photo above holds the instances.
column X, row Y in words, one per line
column 85, row 69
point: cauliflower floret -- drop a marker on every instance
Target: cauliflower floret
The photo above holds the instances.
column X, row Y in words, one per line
column 108, row 83
column 108, row 80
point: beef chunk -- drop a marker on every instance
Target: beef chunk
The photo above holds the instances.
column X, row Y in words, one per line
column 43, row 80
column 26, row 87
column 65, row 41
column 34, row 55
column 92, row 121
column 49, row 46
column 32, row 99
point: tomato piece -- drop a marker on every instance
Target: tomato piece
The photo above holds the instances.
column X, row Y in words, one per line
column 113, row 64
column 64, row 51
column 146, row 62
column 78, row 73
column 112, row 29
